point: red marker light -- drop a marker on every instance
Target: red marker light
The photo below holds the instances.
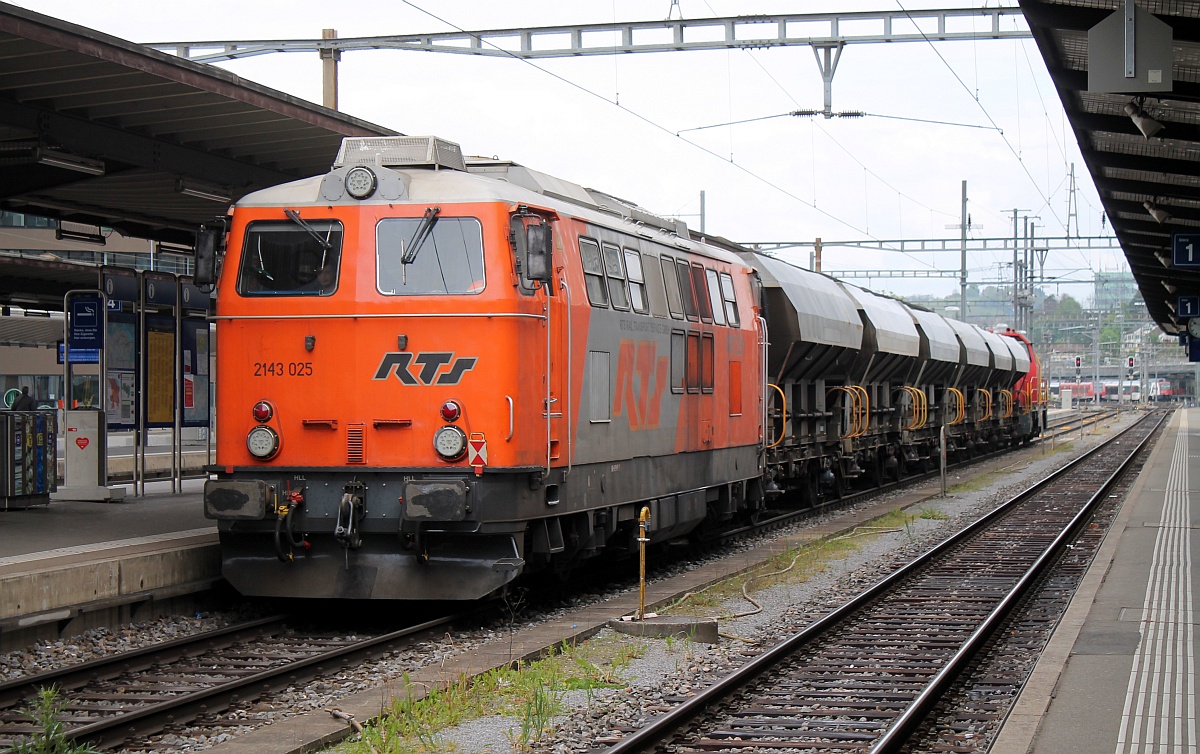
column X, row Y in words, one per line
column 262, row 411
column 451, row 411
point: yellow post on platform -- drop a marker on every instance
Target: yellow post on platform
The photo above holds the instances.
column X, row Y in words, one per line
column 642, row 520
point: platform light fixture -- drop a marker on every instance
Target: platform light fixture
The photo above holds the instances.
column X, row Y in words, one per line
column 1147, row 125
column 1159, row 214
column 1170, row 288
column 68, row 161
column 209, row 191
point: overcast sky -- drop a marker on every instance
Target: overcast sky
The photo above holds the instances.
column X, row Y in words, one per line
column 773, row 180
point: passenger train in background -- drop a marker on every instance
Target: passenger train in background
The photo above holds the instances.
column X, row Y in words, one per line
column 438, row 373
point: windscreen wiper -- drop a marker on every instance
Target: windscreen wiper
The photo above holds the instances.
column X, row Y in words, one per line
column 294, row 216
column 419, row 235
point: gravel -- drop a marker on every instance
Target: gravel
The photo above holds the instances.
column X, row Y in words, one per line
column 663, row 672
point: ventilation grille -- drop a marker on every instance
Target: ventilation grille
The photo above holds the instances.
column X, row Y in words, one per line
column 356, row 443
column 400, row 151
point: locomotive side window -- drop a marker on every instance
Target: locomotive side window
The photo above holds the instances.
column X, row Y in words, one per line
column 429, row 256
column 671, row 280
column 730, row 299
column 714, row 295
column 637, row 281
column 693, row 362
column 707, row 362
column 283, row 258
column 617, row 289
column 678, row 361
column 703, row 307
column 599, row 392
column 735, row 388
column 593, row 272
column 684, row 273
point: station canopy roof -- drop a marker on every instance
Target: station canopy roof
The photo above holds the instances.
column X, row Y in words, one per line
column 100, row 131
column 1129, row 169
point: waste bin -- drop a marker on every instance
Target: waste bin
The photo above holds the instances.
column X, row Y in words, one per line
column 28, row 458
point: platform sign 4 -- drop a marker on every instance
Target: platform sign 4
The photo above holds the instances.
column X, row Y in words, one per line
column 1187, row 307
column 1185, row 250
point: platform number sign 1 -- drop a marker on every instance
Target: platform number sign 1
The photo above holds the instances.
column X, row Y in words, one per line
column 1185, row 250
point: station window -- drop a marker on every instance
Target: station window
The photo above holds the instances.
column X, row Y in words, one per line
column 617, row 289
column 671, row 281
column 678, row 361
column 283, row 258
column 446, row 259
column 714, row 295
column 730, row 299
column 684, row 273
column 593, row 272
column 637, row 281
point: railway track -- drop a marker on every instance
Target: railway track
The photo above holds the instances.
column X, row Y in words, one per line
column 131, row 695
column 125, row 696
column 1065, row 425
column 864, row 677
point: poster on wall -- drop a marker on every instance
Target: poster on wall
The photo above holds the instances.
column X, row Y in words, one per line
column 120, row 384
column 196, row 338
column 159, row 399
column 119, row 399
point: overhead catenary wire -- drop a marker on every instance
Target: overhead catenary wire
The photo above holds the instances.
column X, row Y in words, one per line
column 980, row 104
column 653, row 124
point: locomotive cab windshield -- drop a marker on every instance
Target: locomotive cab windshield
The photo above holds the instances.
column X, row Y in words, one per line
column 430, row 255
column 290, row 258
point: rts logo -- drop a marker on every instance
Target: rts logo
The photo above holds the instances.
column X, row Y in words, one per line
column 432, row 367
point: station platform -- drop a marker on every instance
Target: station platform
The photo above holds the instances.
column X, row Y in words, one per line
column 1119, row 674
column 66, row 566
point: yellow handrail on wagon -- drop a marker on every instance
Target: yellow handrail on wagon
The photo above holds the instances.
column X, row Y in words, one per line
column 783, row 428
column 860, row 408
column 987, row 402
column 1006, row 400
column 962, row 405
column 866, row 408
column 920, row 407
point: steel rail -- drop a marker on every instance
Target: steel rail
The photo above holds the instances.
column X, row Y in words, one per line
column 897, row 733
column 659, row 729
column 115, row 729
column 16, row 690
column 144, row 720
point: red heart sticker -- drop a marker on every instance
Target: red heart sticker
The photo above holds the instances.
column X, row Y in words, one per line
column 82, row 442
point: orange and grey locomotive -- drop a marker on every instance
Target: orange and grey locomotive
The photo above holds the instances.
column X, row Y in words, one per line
column 437, row 373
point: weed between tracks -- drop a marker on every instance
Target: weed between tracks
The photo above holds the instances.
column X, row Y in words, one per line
column 51, row 739
column 529, row 693
column 798, row 564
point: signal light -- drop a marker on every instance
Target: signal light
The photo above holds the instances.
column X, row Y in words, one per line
column 262, row 411
column 1078, row 361
column 1131, row 362
column 451, row 411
